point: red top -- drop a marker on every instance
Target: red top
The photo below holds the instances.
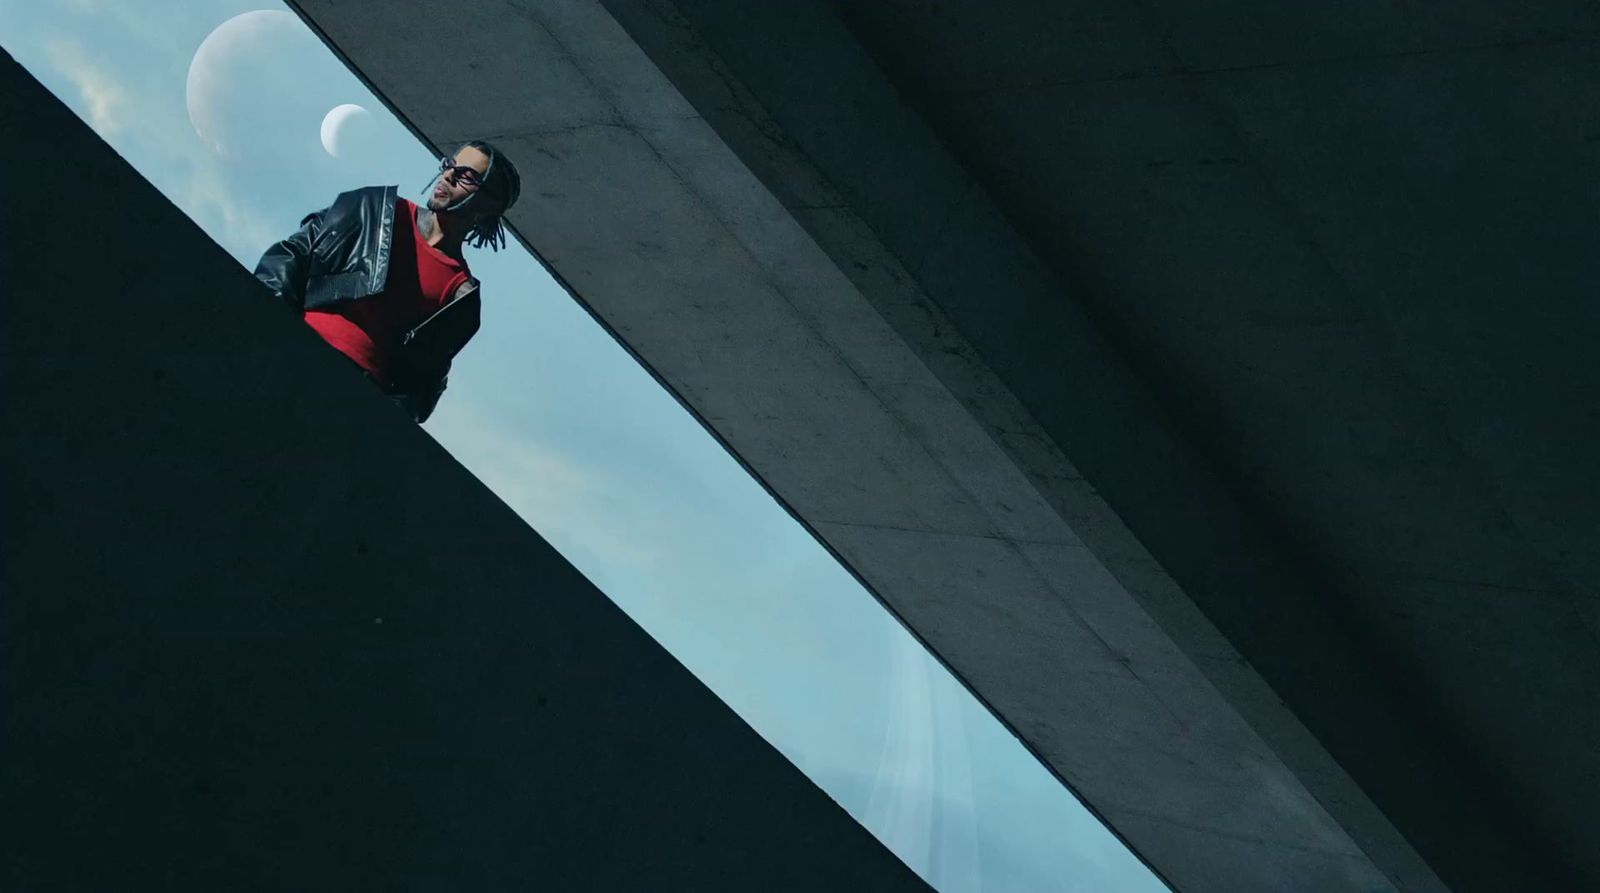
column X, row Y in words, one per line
column 421, row 280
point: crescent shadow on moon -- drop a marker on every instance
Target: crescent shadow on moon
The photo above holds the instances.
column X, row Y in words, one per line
column 336, row 123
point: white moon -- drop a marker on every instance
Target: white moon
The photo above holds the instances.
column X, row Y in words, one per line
column 335, row 127
column 214, row 74
column 259, row 85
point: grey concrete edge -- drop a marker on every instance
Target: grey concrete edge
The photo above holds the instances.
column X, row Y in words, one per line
column 883, row 285
column 860, row 255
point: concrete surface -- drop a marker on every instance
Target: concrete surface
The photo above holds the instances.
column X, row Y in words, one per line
column 1208, row 384
column 260, row 632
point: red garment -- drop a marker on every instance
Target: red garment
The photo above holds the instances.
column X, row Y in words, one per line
column 421, row 280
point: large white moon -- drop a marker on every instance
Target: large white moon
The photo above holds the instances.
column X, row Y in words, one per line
column 214, row 75
column 258, row 86
column 336, row 127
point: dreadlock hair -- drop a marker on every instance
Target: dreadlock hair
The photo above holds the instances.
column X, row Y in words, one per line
column 503, row 182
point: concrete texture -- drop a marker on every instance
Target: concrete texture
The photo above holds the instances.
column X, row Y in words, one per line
column 1208, row 385
column 258, row 631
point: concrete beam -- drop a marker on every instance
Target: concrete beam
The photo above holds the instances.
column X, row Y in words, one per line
column 828, row 370
column 1299, row 230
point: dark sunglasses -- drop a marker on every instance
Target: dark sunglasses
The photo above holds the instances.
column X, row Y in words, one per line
column 462, row 174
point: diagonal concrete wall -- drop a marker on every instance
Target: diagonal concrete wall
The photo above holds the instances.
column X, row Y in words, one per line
column 1338, row 251
column 259, row 632
column 754, row 288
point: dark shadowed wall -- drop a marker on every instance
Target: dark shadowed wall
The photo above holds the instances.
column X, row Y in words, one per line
column 259, row 631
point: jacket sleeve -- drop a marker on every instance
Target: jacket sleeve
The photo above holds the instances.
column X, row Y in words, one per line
column 286, row 265
column 421, row 399
column 419, row 380
column 421, row 366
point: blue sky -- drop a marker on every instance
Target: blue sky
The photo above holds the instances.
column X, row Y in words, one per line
column 564, row 426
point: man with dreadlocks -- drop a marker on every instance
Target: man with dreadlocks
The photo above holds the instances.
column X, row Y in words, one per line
column 383, row 280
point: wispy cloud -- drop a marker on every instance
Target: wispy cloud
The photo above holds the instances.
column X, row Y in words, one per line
column 569, row 502
column 106, row 101
column 138, row 115
column 232, row 223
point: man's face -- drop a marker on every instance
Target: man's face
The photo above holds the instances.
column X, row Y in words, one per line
column 454, row 186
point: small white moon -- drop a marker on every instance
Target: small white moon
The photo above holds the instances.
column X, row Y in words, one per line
column 336, row 124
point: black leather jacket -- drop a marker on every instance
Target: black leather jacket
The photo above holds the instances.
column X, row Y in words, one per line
column 341, row 253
